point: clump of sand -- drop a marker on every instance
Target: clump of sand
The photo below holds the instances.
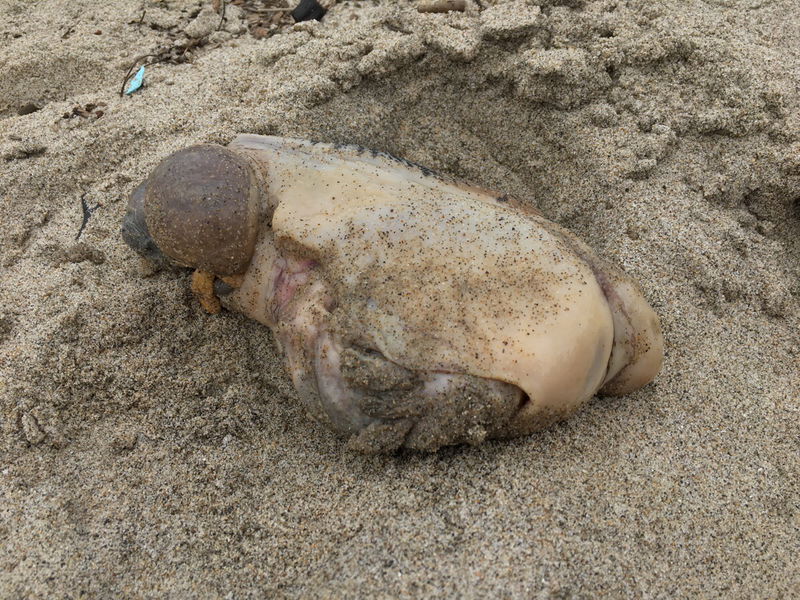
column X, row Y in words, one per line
column 150, row 449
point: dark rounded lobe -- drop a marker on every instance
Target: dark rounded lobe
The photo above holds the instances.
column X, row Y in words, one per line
column 202, row 208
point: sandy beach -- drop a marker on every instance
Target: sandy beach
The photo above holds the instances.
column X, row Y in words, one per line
column 150, row 450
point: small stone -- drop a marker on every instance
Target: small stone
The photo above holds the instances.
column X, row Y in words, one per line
column 31, row 430
column 441, row 6
column 219, row 37
column 203, row 24
column 124, row 442
column 235, row 20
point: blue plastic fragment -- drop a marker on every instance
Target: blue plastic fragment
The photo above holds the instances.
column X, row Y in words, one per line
column 136, row 82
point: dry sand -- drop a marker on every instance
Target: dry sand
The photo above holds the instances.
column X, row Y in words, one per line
column 151, row 450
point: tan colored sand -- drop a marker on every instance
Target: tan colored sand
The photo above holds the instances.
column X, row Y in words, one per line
column 151, row 450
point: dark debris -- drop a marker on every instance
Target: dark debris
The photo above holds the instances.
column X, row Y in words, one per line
column 87, row 212
column 90, row 110
column 308, row 10
column 263, row 17
column 28, row 108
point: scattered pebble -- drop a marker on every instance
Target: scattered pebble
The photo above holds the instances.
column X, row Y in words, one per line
column 124, row 442
column 441, row 6
column 204, row 24
column 31, row 430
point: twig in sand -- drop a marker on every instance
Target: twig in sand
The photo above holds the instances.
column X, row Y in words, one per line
column 141, row 18
column 221, row 10
column 265, row 11
column 165, row 54
column 87, row 212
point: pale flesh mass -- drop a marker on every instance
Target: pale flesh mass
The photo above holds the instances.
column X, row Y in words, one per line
column 413, row 310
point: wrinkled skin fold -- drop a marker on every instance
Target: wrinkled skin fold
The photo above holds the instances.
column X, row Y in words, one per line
column 414, row 310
